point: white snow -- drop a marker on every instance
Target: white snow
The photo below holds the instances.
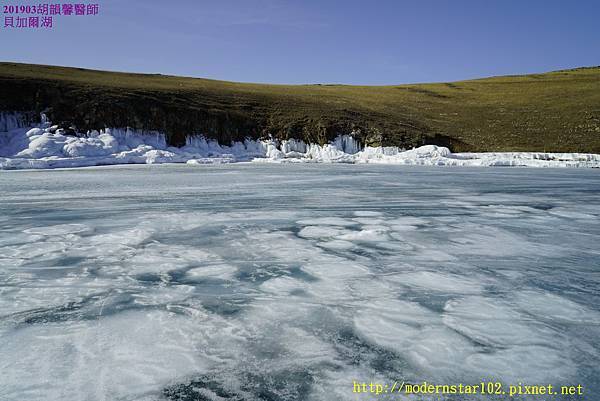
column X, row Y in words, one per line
column 47, row 146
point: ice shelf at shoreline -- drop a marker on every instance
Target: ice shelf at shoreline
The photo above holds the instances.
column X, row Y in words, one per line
column 47, row 146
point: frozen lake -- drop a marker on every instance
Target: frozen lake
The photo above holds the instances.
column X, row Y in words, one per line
column 288, row 282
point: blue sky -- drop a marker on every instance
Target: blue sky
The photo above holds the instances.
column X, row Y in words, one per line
column 306, row 41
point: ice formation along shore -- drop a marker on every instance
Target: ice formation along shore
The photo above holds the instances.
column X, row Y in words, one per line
column 47, row 146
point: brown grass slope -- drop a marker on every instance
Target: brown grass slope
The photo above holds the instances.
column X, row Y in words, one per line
column 556, row 111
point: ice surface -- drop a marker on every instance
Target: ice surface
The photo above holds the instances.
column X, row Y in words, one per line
column 100, row 358
column 48, row 147
column 269, row 282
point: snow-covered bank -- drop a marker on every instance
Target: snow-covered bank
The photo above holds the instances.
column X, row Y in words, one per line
column 47, row 146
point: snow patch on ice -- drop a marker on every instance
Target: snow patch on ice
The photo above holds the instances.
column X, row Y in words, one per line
column 441, row 282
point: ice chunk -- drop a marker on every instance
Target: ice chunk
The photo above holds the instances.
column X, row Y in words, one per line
column 367, row 234
column 44, row 145
column 496, row 323
column 554, row 307
column 337, row 245
column 320, row 232
column 90, row 147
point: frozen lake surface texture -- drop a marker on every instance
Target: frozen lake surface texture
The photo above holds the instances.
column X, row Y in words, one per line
column 287, row 282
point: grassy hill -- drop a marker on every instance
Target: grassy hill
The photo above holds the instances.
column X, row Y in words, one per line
column 556, row 111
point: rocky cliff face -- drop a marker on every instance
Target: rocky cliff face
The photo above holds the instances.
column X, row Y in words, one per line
column 94, row 108
column 226, row 117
